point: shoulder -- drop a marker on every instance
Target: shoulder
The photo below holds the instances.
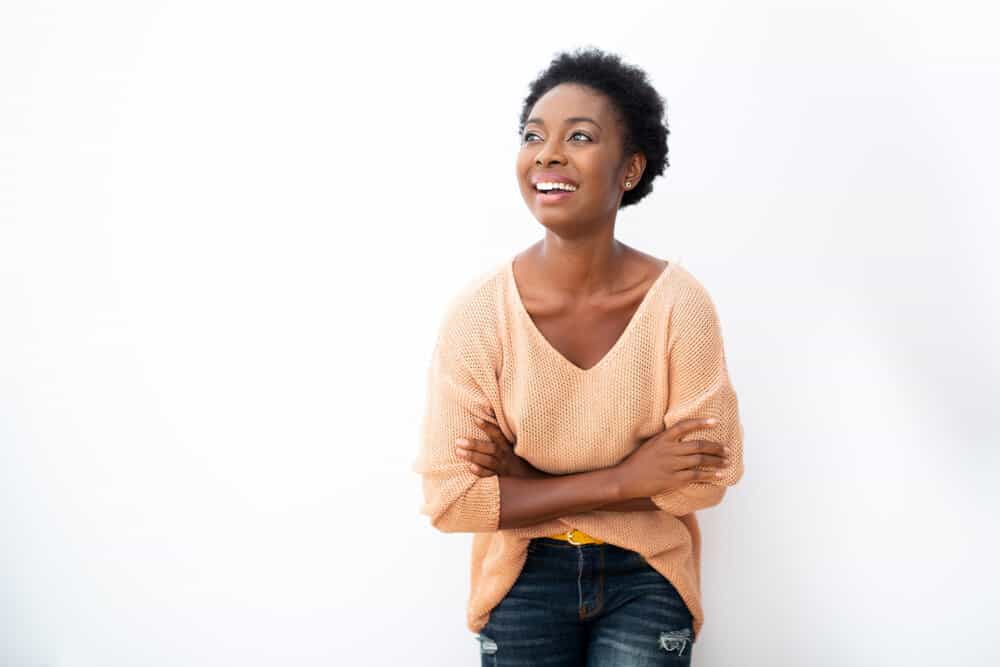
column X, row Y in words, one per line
column 687, row 290
column 473, row 303
column 471, row 319
column 689, row 304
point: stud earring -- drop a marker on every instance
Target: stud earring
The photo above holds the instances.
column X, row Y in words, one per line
column 628, row 184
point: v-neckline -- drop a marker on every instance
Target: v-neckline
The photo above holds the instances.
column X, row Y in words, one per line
column 519, row 303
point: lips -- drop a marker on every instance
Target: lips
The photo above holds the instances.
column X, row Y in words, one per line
column 551, row 177
column 553, row 197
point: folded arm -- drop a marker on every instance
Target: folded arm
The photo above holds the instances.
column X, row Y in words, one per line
column 455, row 499
column 461, row 387
column 699, row 386
column 629, row 505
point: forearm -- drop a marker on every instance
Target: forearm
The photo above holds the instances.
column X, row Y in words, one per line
column 630, row 505
column 525, row 501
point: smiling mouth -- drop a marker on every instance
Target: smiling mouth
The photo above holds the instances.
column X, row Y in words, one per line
column 554, row 195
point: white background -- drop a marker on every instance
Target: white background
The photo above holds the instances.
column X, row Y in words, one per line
column 227, row 233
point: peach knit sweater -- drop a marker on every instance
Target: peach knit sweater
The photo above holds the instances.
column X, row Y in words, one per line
column 491, row 361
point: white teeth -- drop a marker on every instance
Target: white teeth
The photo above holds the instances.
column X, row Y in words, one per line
column 546, row 186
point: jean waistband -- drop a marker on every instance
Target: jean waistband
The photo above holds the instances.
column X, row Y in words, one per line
column 574, row 536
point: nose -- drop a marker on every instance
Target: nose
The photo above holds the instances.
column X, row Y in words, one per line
column 549, row 153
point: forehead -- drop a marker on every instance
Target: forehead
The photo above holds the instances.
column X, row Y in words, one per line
column 569, row 99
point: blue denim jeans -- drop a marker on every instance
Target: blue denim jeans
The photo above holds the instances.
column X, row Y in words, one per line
column 592, row 605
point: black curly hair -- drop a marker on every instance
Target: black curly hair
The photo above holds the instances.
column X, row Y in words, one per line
column 641, row 110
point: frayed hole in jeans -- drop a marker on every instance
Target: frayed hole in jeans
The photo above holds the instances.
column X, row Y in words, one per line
column 486, row 645
column 675, row 640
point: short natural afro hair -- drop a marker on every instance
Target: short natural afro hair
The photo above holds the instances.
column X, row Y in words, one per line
column 641, row 110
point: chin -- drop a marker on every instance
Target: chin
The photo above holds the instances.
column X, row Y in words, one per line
column 555, row 220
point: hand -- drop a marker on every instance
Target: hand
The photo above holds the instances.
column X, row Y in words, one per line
column 663, row 462
column 494, row 456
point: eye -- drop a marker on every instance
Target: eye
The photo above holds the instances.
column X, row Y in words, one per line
column 581, row 134
column 528, row 134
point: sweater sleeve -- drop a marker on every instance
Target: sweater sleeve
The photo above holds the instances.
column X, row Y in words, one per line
column 699, row 386
column 455, row 498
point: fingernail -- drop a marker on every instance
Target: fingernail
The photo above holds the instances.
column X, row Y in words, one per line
column 479, row 421
column 462, row 441
column 462, row 452
column 718, row 474
column 725, row 450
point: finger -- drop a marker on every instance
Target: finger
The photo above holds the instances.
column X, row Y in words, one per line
column 480, row 470
column 702, row 447
column 484, row 460
column 701, row 453
column 493, row 432
column 698, row 462
column 483, row 466
column 476, row 445
column 475, row 452
column 682, row 428
column 702, row 475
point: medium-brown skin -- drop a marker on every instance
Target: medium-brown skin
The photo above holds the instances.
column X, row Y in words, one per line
column 530, row 496
column 581, row 287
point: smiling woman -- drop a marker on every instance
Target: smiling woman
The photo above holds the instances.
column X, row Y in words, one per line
column 603, row 112
column 566, row 391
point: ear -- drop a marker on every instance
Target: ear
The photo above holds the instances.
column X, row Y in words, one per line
column 634, row 168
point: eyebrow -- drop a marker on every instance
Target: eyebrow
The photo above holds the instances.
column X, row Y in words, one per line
column 572, row 119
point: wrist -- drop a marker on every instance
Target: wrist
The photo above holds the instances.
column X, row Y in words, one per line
column 535, row 472
column 524, row 469
column 615, row 486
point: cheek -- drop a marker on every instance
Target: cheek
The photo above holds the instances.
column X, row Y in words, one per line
column 521, row 173
column 523, row 164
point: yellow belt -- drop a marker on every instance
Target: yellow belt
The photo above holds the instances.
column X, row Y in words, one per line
column 574, row 536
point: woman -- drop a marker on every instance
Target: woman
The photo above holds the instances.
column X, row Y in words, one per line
column 579, row 408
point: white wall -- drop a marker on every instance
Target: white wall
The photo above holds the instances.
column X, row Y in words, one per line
column 228, row 229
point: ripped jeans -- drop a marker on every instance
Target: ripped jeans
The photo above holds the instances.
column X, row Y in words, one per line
column 592, row 605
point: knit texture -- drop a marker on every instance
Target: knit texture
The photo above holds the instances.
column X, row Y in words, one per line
column 491, row 361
